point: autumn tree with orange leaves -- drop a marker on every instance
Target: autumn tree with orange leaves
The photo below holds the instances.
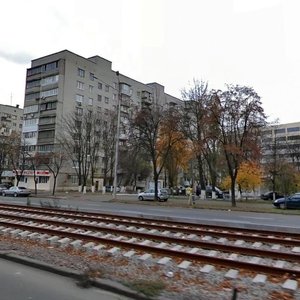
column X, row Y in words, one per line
column 239, row 116
column 249, row 176
column 180, row 152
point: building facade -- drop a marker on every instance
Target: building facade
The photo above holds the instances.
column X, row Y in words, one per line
column 11, row 121
column 62, row 83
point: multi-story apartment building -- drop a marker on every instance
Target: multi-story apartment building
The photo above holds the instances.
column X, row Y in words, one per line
column 11, row 120
column 282, row 141
column 63, row 83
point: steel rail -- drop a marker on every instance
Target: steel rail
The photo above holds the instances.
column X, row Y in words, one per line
column 293, row 257
column 162, row 251
column 265, row 238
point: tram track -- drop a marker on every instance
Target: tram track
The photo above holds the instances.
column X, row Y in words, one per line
column 76, row 226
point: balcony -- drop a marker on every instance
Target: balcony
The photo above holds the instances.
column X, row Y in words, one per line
column 146, row 97
column 125, row 89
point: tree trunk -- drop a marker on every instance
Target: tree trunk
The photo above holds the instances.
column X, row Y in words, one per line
column 233, row 202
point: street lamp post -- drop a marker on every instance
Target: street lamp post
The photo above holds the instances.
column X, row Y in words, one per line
column 117, row 139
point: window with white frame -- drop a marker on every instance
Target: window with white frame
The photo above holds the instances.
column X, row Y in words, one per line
column 81, row 72
column 91, row 88
column 31, row 109
column 49, row 93
column 49, row 80
column 79, row 98
column 80, row 85
column 106, row 100
column 30, row 122
column 90, row 101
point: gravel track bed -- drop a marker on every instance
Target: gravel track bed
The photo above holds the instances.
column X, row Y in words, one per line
column 180, row 284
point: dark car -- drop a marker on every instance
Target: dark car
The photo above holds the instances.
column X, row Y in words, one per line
column 219, row 193
column 269, row 196
column 292, row 201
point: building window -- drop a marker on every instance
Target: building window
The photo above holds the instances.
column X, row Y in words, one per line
column 81, row 72
column 49, row 80
column 45, row 148
column 51, row 66
column 48, row 106
column 99, row 85
column 293, row 129
column 115, row 85
column 106, row 99
column 99, row 98
column 90, row 101
column 293, row 137
column 31, row 109
column 106, row 88
column 28, row 135
column 92, row 76
column 43, row 179
column 91, row 88
column 280, row 130
column 46, row 134
column 47, row 120
column 114, row 96
column 80, row 85
column 32, row 96
column 74, row 179
column 79, row 111
column 49, row 93
column 79, row 98
column 30, row 122
column 31, row 84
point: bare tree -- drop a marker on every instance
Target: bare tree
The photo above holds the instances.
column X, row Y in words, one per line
column 18, row 155
column 239, row 116
column 54, row 161
column 4, row 154
column 80, row 138
column 152, row 125
column 201, row 130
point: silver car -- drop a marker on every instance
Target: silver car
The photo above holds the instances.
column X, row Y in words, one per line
column 150, row 195
column 16, row 191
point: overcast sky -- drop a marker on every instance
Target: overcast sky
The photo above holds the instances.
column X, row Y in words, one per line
column 245, row 42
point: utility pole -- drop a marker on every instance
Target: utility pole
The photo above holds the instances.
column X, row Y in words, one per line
column 117, row 139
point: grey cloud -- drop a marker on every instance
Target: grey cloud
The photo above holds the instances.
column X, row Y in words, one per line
column 16, row 57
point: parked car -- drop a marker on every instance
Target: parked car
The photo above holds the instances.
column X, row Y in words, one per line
column 16, row 191
column 219, row 193
column 292, row 201
column 149, row 194
column 269, row 196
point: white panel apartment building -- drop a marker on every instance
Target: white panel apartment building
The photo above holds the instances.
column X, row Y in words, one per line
column 11, row 120
column 64, row 82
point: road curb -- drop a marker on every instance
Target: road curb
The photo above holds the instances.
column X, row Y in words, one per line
column 104, row 284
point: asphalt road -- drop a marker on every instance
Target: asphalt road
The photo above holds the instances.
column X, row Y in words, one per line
column 100, row 203
column 20, row 282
